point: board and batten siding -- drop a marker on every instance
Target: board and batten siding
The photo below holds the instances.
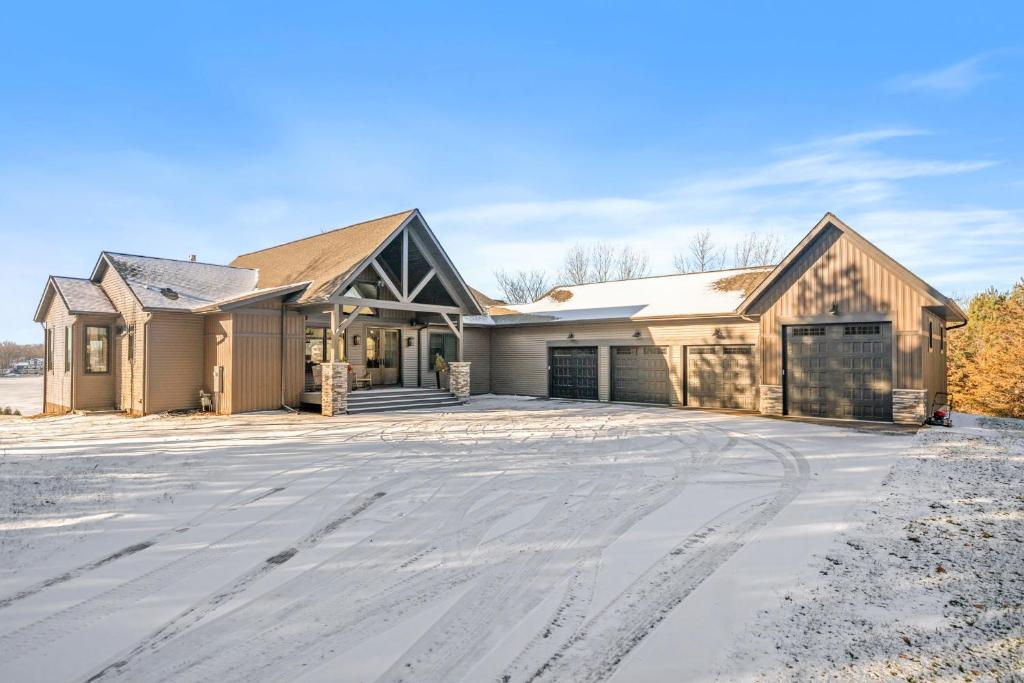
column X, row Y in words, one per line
column 247, row 344
column 519, row 355
column 174, row 361
column 836, row 270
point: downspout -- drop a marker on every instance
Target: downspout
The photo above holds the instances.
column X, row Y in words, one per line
column 145, row 363
column 283, row 356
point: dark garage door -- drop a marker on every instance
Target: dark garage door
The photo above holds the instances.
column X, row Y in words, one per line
column 720, row 376
column 842, row 371
column 572, row 372
column 640, row 374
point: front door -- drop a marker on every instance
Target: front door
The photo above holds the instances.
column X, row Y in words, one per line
column 382, row 356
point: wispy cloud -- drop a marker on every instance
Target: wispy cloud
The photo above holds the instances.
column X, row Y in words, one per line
column 954, row 80
column 851, row 174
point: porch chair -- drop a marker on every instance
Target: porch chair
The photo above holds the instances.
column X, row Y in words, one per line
column 363, row 381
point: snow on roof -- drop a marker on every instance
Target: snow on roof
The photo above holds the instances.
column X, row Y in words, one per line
column 180, row 285
column 83, row 296
column 686, row 294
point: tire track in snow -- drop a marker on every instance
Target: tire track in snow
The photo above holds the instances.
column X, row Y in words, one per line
column 594, row 652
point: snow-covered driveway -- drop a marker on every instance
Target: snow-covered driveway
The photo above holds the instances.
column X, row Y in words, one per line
column 509, row 540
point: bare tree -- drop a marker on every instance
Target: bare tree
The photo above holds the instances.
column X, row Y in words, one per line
column 522, row 286
column 632, row 263
column 701, row 255
column 602, row 262
column 757, row 249
column 576, row 266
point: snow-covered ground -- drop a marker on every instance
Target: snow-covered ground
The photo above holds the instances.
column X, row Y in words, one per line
column 927, row 585
column 507, row 540
column 22, row 393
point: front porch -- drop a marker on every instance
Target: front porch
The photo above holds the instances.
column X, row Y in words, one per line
column 385, row 325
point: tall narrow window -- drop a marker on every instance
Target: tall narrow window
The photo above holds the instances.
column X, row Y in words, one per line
column 67, row 348
column 942, row 338
column 444, row 344
column 48, row 340
column 97, row 349
column 931, row 335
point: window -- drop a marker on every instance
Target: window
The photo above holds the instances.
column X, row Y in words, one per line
column 852, row 330
column 97, row 349
column 745, row 350
column 48, row 341
column 445, row 344
column 931, row 335
column 701, row 349
column 942, row 338
column 817, row 331
column 67, row 348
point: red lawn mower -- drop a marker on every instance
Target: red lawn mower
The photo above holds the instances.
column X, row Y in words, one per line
column 942, row 411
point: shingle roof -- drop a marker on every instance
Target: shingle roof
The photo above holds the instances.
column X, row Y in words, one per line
column 180, row 285
column 686, row 294
column 325, row 259
column 82, row 295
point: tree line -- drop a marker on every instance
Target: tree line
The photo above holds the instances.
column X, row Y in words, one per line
column 986, row 372
column 586, row 263
column 11, row 353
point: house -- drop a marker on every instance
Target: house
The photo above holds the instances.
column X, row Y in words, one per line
column 837, row 329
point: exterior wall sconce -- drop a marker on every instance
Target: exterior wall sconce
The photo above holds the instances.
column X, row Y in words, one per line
column 571, row 336
column 636, row 333
column 409, row 341
column 718, row 334
column 355, row 340
column 834, row 308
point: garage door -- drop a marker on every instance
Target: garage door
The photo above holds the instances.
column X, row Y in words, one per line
column 640, row 374
column 840, row 371
column 572, row 372
column 720, row 376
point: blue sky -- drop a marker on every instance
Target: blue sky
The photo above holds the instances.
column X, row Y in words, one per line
column 220, row 128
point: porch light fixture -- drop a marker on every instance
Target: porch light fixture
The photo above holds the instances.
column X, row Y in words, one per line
column 834, row 308
column 355, row 340
column 636, row 333
column 409, row 341
column 571, row 336
column 718, row 334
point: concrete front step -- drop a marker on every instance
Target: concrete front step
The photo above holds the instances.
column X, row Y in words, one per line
column 387, row 406
column 390, row 395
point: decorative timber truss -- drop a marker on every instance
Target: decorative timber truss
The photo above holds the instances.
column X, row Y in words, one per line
column 411, row 267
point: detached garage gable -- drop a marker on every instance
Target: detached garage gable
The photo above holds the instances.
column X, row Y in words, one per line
column 836, row 280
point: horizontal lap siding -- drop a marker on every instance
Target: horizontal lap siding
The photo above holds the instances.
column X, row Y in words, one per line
column 217, row 352
column 519, row 357
column 129, row 377
column 834, row 269
column 256, row 378
column 57, row 379
column 477, row 351
column 174, row 361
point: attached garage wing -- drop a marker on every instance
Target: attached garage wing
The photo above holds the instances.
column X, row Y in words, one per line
column 640, row 374
column 720, row 376
column 572, row 372
column 839, row 371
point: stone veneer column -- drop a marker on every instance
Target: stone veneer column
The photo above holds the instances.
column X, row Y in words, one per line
column 770, row 402
column 458, row 379
column 909, row 406
column 334, row 388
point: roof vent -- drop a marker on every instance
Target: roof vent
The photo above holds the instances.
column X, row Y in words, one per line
column 169, row 293
column 192, row 258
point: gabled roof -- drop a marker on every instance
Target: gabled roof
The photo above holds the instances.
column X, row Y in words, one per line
column 954, row 312
column 325, row 260
column 79, row 295
column 170, row 284
column 707, row 294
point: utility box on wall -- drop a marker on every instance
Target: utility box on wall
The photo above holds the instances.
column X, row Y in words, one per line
column 218, row 379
